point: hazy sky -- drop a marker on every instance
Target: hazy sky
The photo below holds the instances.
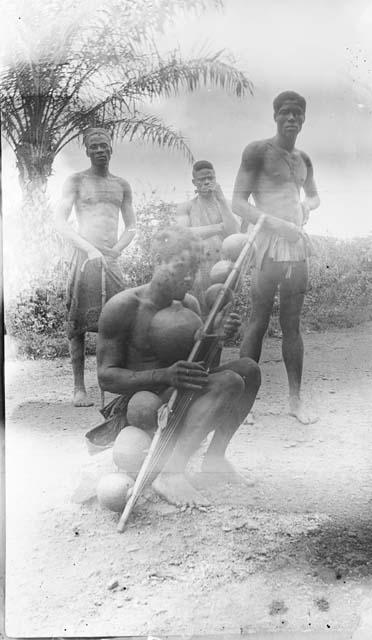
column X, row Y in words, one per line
column 320, row 48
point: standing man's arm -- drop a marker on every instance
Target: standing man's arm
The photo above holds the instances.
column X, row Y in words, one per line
column 129, row 218
column 62, row 225
column 183, row 219
column 245, row 182
column 312, row 200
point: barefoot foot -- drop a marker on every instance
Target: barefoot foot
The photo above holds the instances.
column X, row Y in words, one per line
column 215, row 470
column 302, row 413
column 81, row 399
column 176, row 489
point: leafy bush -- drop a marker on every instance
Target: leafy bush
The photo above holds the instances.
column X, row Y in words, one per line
column 136, row 260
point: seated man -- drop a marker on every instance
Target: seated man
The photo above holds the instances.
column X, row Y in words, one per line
column 210, row 217
column 128, row 361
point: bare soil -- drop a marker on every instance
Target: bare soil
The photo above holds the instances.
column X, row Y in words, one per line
column 293, row 552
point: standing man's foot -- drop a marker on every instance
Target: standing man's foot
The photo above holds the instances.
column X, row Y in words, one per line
column 215, row 470
column 302, row 413
column 81, row 399
column 176, row 489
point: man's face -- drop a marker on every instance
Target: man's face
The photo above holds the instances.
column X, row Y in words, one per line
column 98, row 150
column 289, row 118
column 178, row 274
column 204, row 180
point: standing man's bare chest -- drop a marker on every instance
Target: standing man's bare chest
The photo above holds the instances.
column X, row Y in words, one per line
column 97, row 190
column 281, row 167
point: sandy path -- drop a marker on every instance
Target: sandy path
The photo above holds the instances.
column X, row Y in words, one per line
column 293, row 552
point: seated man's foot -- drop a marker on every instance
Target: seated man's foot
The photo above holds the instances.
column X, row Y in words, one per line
column 81, row 399
column 215, row 470
column 176, row 489
column 302, row 413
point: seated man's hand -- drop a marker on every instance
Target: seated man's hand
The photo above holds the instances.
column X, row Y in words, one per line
column 232, row 325
column 187, row 375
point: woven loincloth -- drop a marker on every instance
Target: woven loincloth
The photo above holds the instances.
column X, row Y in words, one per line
column 84, row 291
column 278, row 249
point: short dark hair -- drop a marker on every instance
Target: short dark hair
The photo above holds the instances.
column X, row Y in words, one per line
column 288, row 95
column 170, row 242
column 201, row 164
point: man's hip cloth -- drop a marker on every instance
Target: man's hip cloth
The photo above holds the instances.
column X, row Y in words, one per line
column 89, row 286
column 275, row 249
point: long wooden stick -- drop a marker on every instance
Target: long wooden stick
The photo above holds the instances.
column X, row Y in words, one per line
column 103, row 302
column 170, row 411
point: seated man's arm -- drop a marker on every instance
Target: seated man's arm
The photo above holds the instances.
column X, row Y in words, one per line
column 62, row 214
column 129, row 219
column 312, row 200
column 183, row 219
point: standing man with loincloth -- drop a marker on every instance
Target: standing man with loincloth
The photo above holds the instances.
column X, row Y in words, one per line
column 210, row 217
column 94, row 275
column 131, row 359
column 275, row 173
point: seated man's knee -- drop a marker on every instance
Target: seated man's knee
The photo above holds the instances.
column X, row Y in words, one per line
column 227, row 383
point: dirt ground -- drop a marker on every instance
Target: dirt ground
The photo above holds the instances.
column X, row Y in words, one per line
column 293, row 552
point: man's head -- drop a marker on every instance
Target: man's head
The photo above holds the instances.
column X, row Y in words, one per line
column 98, row 145
column 203, row 177
column 176, row 253
column 289, row 113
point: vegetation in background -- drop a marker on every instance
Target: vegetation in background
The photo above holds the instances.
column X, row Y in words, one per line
column 339, row 293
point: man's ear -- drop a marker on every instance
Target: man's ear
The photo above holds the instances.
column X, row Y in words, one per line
column 275, row 116
column 193, row 181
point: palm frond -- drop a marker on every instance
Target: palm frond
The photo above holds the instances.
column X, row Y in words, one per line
column 167, row 77
column 132, row 127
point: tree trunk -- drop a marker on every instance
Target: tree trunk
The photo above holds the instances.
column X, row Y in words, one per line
column 34, row 166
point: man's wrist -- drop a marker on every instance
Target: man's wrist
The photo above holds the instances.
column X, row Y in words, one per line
column 159, row 377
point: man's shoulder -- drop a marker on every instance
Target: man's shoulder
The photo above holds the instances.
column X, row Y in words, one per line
column 186, row 205
column 305, row 157
column 122, row 181
column 76, row 178
column 120, row 306
column 256, row 150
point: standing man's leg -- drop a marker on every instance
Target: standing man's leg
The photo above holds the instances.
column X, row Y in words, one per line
column 292, row 293
column 263, row 289
column 77, row 353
